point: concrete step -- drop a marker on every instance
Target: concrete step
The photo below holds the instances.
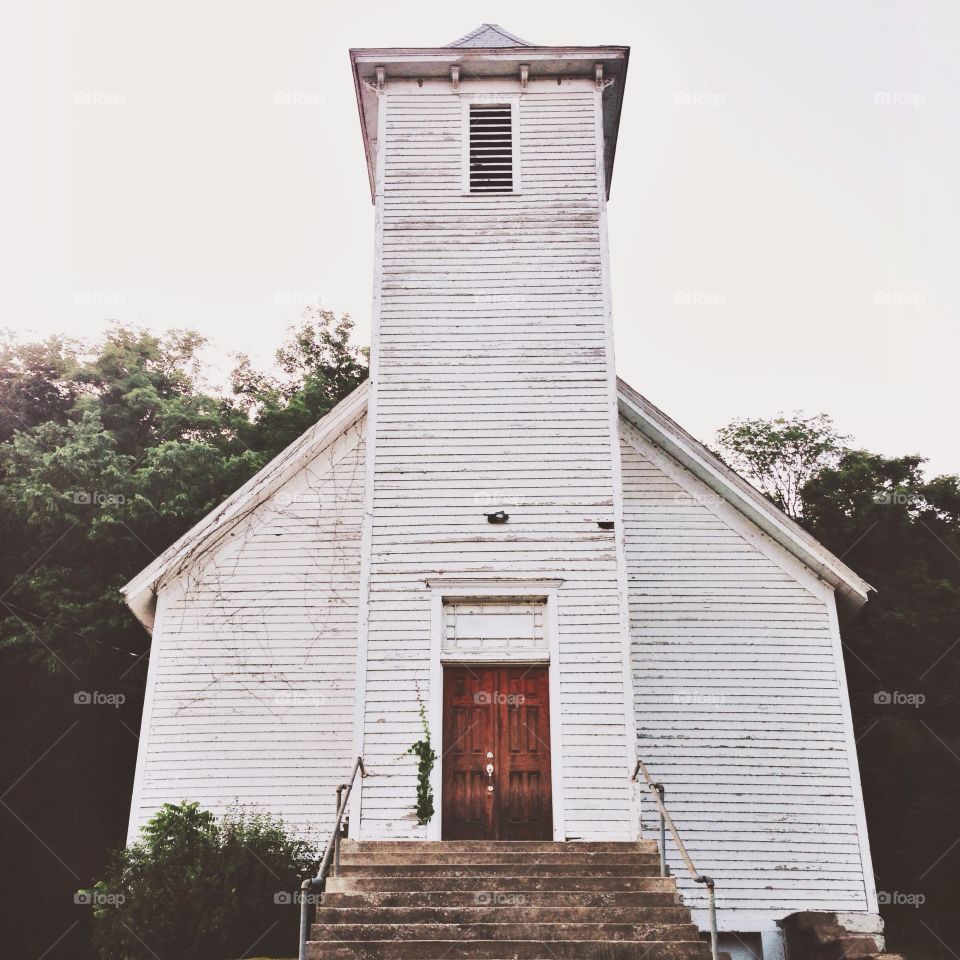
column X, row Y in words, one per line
column 648, row 866
column 508, row 950
column 541, row 932
column 499, row 846
column 503, row 914
column 472, row 882
column 558, row 857
column 652, row 892
column 495, row 900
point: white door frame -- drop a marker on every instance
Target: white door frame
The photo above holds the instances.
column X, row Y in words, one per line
column 519, row 591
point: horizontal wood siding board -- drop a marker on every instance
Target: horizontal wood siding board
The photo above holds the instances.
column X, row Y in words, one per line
column 254, row 671
column 492, row 394
column 738, row 702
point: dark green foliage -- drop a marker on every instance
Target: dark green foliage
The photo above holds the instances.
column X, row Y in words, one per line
column 109, row 451
column 318, row 368
column 198, row 889
column 901, row 533
column 36, row 385
column 423, row 750
column 132, row 453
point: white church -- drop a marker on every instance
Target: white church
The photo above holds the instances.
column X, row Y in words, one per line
column 497, row 544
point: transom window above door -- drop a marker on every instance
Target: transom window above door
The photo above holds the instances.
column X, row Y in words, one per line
column 491, row 627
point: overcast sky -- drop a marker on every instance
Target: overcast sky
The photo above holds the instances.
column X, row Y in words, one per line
column 784, row 214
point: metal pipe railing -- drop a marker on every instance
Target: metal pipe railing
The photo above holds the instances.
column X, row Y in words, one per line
column 331, row 856
column 666, row 821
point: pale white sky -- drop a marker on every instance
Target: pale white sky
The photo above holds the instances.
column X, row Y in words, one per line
column 784, row 217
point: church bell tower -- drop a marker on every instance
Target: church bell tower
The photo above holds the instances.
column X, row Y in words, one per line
column 493, row 608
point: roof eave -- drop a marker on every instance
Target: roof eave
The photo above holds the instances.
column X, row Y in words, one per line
column 140, row 592
column 618, row 110
column 358, row 90
column 366, row 59
column 852, row 589
column 382, row 55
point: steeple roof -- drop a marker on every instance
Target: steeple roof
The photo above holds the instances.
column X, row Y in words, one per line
column 489, row 35
column 487, row 52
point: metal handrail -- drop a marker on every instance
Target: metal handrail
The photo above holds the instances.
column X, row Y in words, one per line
column 331, row 856
column 666, row 821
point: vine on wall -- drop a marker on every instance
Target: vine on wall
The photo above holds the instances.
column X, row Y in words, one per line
column 423, row 749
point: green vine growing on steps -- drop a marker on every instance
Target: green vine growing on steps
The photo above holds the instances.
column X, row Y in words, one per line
column 423, row 749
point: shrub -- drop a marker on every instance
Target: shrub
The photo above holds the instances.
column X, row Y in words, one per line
column 196, row 888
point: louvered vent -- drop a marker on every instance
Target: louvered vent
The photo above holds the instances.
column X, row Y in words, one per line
column 491, row 148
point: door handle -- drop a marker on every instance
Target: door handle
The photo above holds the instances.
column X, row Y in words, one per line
column 489, row 769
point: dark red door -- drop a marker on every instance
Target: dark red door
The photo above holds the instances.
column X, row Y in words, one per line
column 525, row 803
column 496, row 754
column 469, row 727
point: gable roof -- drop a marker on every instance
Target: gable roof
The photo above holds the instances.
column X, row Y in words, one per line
column 140, row 592
column 708, row 467
column 490, row 35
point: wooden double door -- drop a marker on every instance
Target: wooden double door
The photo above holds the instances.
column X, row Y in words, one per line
column 496, row 754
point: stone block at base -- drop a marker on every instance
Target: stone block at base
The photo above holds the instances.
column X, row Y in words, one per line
column 821, row 935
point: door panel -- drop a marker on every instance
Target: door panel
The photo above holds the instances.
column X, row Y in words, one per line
column 469, row 732
column 503, row 711
column 526, row 809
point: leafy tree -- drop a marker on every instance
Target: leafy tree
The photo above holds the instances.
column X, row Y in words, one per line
column 901, row 533
column 109, row 451
column 779, row 456
column 139, row 455
column 198, row 889
column 318, row 368
column 36, row 386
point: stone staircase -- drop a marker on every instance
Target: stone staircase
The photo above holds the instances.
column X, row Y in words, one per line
column 502, row 901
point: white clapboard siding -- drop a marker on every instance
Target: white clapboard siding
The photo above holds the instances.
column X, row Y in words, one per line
column 739, row 702
column 254, row 658
column 492, row 390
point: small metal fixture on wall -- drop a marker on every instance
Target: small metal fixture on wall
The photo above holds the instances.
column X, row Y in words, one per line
column 498, row 517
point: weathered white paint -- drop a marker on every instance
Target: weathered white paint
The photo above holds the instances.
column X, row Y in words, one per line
column 307, row 619
column 668, row 435
column 141, row 592
column 494, row 389
column 251, row 680
column 741, row 704
column 360, row 703
column 493, row 629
